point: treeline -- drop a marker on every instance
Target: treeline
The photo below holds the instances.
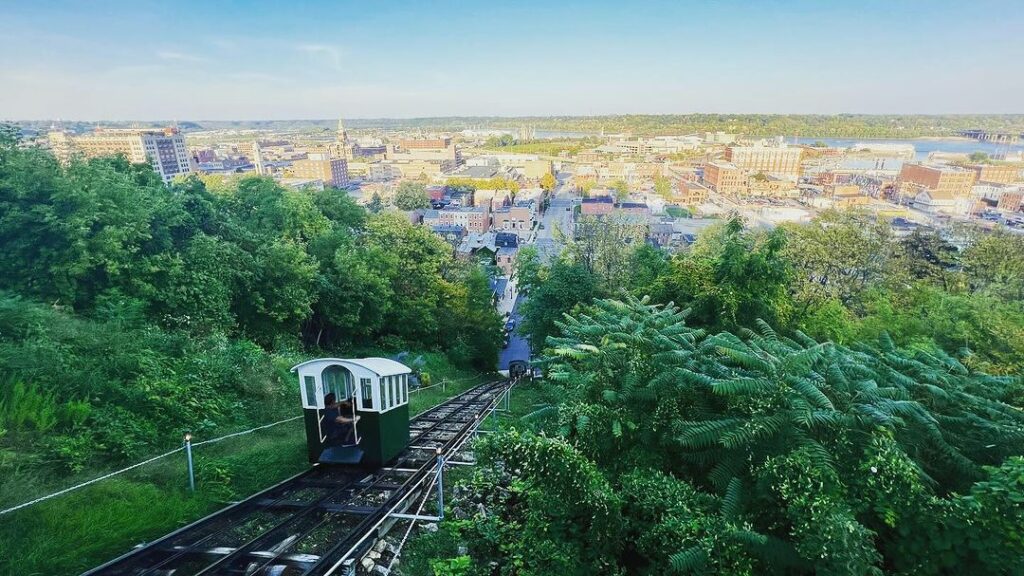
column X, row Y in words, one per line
column 131, row 310
column 805, row 125
column 815, row 399
column 844, row 277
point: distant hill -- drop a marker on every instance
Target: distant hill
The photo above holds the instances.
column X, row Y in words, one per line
column 806, row 125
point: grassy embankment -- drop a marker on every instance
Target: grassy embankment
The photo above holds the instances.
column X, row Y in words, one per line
column 74, row 532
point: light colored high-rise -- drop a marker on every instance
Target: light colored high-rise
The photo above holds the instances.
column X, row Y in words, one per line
column 164, row 149
column 774, row 159
column 257, row 159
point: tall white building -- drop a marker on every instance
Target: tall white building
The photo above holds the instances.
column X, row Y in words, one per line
column 257, row 159
column 164, row 149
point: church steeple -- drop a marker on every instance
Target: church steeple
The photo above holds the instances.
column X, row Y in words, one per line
column 342, row 135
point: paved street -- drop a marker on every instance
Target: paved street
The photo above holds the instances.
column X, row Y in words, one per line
column 559, row 215
column 518, row 347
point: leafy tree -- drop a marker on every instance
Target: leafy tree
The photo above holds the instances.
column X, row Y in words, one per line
column 566, row 286
column 528, row 267
column 411, row 195
column 840, row 255
column 376, row 203
column 809, row 445
column 994, row 264
column 604, row 246
column 548, row 509
column 548, row 182
column 502, row 141
column 663, row 187
column 930, row 257
column 978, row 157
column 621, row 190
column 731, row 277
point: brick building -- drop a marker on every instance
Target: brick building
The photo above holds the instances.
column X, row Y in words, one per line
column 725, row 178
column 938, row 181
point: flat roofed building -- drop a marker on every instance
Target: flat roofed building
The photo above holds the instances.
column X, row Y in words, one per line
column 332, row 171
column 689, row 193
column 424, row 143
column 996, row 173
column 432, row 157
column 725, row 177
column 941, row 181
column 770, row 159
column 597, row 206
column 162, row 148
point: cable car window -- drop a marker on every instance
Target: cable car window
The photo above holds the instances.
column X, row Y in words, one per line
column 405, row 388
column 395, row 398
column 367, row 386
column 383, row 395
column 310, row 383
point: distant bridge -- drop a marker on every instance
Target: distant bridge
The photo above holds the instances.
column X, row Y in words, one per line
column 997, row 137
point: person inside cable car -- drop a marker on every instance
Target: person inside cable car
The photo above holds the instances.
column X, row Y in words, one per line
column 339, row 420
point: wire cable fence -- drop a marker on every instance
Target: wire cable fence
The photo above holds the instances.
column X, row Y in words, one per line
column 140, row 464
column 444, row 382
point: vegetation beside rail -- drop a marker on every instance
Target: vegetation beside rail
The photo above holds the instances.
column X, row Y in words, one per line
column 132, row 312
column 833, row 400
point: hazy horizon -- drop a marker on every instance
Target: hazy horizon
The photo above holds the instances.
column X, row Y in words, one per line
column 262, row 61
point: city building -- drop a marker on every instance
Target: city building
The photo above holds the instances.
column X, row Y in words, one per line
column 332, row 172
column 506, row 239
column 505, row 258
column 688, row 193
column 1010, row 201
column 452, row 234
column 424, row 156
column 632, row 209
column 518, row 219
column 776, row 158
column 937, row 201
column 475, row 219
column 528, row 166
column 162, row 148
column 996, row 173
column 725, row 178
column 719, row 138
column 942, row 182
column 597, row 206
column 846, row 195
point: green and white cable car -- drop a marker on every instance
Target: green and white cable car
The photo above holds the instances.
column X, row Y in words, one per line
column 356, row 410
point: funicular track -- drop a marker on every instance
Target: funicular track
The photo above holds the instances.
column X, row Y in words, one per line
column 319, row 521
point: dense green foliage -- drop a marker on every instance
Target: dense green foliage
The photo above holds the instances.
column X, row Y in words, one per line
column 131, row 310
column 825, row 408
column 754, row 453
column 411, row 195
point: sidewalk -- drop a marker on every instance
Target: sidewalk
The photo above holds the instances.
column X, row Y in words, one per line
column 508, row 299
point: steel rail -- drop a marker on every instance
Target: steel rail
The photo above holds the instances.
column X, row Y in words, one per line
column 133, row 562
column 269, row 536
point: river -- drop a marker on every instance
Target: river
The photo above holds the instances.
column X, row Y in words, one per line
column 924, row 146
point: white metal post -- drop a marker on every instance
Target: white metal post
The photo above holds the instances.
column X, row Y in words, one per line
column 188, row 456
column 440, row 485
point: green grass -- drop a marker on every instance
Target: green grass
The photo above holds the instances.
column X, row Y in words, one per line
column 74, row 532
column 82, row 529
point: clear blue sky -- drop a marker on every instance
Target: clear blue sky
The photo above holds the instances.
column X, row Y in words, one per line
column 280, row 60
